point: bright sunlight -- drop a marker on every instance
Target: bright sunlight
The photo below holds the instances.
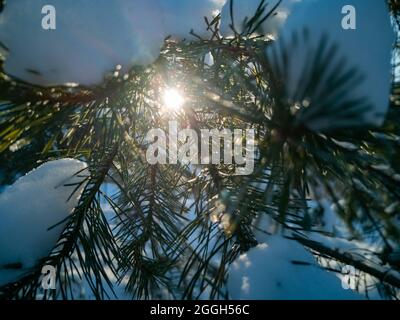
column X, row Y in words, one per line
column 173, row 100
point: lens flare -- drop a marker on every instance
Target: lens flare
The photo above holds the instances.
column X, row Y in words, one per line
column 173, row 100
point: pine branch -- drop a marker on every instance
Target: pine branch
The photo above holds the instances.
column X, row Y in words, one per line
column 387, row 275
column 155, row 242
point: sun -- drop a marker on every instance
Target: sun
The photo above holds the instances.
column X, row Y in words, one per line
column 173, row 100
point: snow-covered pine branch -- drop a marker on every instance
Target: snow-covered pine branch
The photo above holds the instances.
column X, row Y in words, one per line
column 34, row 212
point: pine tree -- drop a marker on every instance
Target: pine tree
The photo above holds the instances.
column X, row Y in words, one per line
column 151, row 237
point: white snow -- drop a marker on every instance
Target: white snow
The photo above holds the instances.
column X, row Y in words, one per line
column 270, row 272
column 92, row 37
column 342, row 239
column 30, row 208
column 368, row 48
column 209, row 59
